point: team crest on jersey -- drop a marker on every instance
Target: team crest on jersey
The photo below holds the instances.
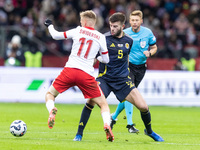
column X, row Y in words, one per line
column 127, row 45
column 120, row 45
column 112, row 45
column 143, row 44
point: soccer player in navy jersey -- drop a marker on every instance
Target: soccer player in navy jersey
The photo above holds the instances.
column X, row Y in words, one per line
column 143, row 40
column 114, row 77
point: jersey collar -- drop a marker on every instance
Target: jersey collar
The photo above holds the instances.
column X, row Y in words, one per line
column 89, row 28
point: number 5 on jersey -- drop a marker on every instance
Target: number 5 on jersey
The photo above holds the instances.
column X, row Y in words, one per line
column 120, row 54
column 83, row 42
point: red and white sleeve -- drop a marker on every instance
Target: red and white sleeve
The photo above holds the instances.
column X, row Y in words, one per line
column 104, row 58
column 56, row 35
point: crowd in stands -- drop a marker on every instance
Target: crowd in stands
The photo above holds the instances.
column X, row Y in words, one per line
column 175, row 23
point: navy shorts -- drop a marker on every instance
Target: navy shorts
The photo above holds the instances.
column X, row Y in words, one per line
column 137, row 73
column 121, row 88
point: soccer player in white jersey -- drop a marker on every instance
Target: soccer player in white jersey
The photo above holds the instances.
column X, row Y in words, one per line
column 79, row 70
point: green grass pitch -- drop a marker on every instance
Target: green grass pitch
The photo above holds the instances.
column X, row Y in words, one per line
column 179, row 126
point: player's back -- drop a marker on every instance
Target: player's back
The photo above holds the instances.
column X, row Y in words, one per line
column 118, row 49
column 86, row 44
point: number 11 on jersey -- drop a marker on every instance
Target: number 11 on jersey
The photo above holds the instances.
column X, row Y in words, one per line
column 83, row 42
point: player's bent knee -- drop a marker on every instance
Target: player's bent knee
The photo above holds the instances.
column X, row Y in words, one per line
column 89, row 106
column 90, row 102
column 49, row 96
column 52, row 91
column 144, row 108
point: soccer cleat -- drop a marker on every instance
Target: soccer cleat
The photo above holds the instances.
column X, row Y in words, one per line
column 52, row 115
column 112, row 122
column 78, row 138
column 109, row 134
column 154, row 136
column 132, row 129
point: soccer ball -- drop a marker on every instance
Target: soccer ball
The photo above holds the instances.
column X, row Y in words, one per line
column 18, row 128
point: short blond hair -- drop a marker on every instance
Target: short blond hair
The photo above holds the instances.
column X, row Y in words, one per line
column 88, row 14
column 137, row 13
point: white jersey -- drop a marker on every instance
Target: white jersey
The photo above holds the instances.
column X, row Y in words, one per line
column 86, row 44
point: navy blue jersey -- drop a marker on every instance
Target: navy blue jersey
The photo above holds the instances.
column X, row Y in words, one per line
column 118, row 49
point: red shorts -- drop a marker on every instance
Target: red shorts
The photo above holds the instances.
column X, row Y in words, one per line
column 70, row 77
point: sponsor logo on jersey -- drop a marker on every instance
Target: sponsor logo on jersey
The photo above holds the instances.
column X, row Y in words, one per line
column 127, row 45
column 112, row 45
column 143, row 44
column 120, row 45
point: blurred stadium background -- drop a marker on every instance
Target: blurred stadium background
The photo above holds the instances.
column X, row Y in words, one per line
column 175, row 23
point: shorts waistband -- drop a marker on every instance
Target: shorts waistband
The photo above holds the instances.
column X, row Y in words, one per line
column 141, row 65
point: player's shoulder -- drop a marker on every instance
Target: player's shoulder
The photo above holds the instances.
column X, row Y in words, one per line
column 101, row 35
column 145, row 29
column 77, row 28
column 127, row 36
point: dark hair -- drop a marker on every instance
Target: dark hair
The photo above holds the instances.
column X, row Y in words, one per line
column 117, row 17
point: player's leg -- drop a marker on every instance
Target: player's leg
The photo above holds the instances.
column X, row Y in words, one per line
column 105, row 113
column 98, row 98
column 86, row 115
column 50, row 100
column 84, row 119
column 129, row 114
column 105, row 110
column 59, row 85
column 136, row 98
column 88, row 109
column 106, row 89
column 118, row 110
column 136, row 74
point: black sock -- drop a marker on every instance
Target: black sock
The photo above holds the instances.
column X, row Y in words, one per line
column 146, row 117
column 84, row 118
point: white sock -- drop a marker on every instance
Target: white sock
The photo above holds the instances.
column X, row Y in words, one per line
column 50, row 105
column 106, row 117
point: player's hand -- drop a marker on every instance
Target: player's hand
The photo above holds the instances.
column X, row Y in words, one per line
column 147, row 53
column 99, row 58
column 47, row 22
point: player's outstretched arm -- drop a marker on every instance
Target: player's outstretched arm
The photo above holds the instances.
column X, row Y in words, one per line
column 54, row 33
